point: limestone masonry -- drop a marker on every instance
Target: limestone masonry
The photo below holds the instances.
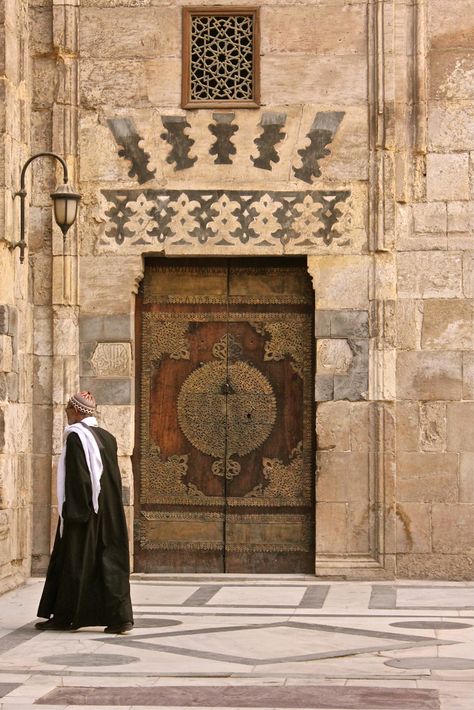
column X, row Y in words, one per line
column 360, row 158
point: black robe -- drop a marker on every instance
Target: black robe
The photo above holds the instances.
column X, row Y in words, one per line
column 87, row 582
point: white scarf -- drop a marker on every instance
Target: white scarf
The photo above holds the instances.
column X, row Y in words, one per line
column 93, row 460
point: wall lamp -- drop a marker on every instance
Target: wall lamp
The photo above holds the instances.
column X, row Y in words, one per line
column 65, row 202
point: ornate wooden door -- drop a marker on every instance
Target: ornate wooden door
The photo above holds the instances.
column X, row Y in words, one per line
column 225, row 473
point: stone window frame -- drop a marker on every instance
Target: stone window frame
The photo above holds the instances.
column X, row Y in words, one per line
column 187, row 15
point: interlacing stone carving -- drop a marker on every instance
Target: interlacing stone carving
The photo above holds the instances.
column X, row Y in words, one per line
column 111, row 359
column 224, row 218
column 221, row 57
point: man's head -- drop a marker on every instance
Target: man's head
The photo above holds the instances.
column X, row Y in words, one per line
column 80, row 406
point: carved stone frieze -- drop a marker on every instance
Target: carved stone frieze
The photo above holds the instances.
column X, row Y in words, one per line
column 111, row 359
column 223, row 218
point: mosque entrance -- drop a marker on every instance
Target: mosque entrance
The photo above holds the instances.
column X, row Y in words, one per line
column 224, row 463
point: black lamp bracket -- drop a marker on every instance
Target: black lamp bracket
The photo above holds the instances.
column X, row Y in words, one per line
column 22, row 195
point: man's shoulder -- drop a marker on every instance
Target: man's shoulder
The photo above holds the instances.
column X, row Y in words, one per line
column 105, row 435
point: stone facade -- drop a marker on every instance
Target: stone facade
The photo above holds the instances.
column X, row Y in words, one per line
column 361, row 158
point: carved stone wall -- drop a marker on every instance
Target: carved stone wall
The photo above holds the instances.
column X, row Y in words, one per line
column 360, row 159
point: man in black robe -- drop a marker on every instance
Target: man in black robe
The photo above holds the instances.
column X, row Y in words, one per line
column 87, row 582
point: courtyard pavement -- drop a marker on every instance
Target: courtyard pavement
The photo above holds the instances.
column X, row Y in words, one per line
column 234, row 641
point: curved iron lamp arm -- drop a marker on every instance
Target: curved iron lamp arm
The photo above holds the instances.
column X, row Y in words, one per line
column 22, row 194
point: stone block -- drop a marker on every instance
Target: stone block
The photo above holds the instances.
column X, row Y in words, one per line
column 341, row 282
column 3, row 387
column 409, row 318
column 13, row 385
column 448, row 325
column 429, row 275
column 41, row 272
column 460, row 426
column 139, row 34
column 430, row 218
column 451, row 74
column 361, row 438
column 65, row 331
column 332, row 432
column 347, row 79
column 118, row 81
column 105, row 327
column 322, row 323
column 120, row 421
column 454, row 567
column 42, row 430
column 163, row 82
column 43, row 331
column 358, row 532
column 450, row 126
column 342, row 476
column 432, row 426
column 98, row 284
column 427, row 477
column 413, row 527
column 468, row 375
column 6, row 353
column 466, row 477
column 446, row 31
column 324, row 388
column 42, row 379
column 447, row 176
column 111, row 360
column 109, row 391
column 349, row 324
column 331, row 527
column 468, row 274
column 354, row 386
column 333, row 357
column 453, row 528
column 3, row 319
column 461, row 218
column 41, row 479
column 313, row 30
column 429, row 375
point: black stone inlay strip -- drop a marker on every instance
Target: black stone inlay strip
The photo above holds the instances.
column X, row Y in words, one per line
column 296, row 696
column 383, row 597
column 6, row 688
column 392, row 641
column 202, row 595
column 430, row 625
column 17, row 637
column 314, row 597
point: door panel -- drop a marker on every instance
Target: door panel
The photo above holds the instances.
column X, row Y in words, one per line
column 226, row 481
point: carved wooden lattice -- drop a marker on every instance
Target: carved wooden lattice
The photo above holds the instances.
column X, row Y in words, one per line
column 220, row 56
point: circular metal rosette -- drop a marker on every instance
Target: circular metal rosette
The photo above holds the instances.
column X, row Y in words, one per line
column 226, row 410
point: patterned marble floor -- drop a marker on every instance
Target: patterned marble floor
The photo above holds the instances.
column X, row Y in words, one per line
column 233, row 641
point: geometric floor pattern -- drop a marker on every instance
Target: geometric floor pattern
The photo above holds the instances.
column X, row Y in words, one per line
column 263, row 641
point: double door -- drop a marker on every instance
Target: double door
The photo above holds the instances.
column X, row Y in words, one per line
column 225, row 474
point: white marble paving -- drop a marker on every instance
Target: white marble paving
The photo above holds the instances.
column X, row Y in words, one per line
column 252, row 604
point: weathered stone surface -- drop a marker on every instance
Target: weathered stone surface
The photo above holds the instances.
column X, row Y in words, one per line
column 333, row 357
column 451, row 126
column 349, row 324
column 429, row 375
column 96, row 294
column 105, row 327
column 435, row 566
column 466, row 477
column 453, row 528
column 460, row 426
column 354, row 386
column 361, row 438
column 332, row 431
column 331, row 528
column 409, row 318
column 427, row 477
column 342, row 476
column 433, row 426
column 413, row 527
column 430, row 218
column 468, row 274
column 358, row 528
column 448, row 325
column 468, row 375
column 340, row 281
column 119, row 420
column 447, row 176
column 6, row 353
column 429, row 275
column 324, row 388
column 109, row 391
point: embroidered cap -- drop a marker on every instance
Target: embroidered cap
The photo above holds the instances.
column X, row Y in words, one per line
column 82, row 402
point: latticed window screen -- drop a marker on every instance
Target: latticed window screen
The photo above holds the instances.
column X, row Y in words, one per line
column 220, row 57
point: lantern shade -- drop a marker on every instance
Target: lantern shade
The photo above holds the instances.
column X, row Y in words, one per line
column 66, row 202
